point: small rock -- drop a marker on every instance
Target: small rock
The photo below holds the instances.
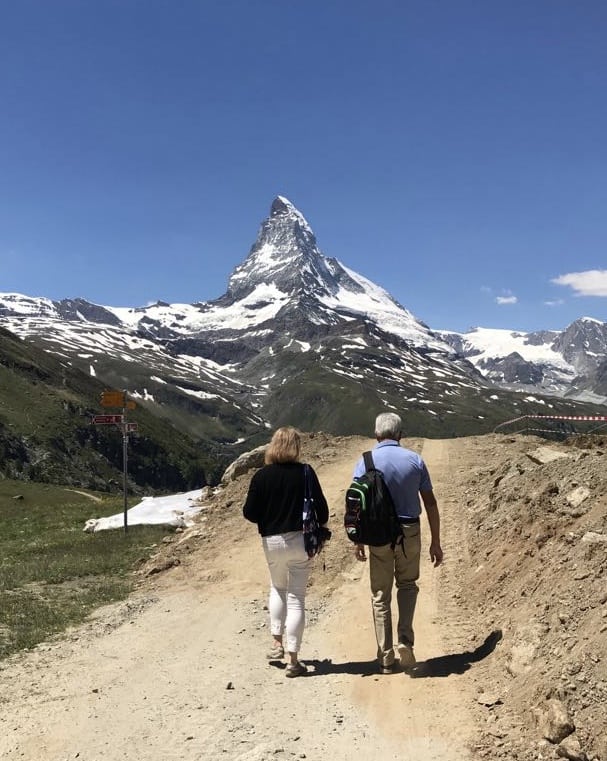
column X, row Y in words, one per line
column 577, row 496
column 592, row 537
column 544, row 455
column 570, row 748
column 488, row 699
column 554, row 722
column 163, row 566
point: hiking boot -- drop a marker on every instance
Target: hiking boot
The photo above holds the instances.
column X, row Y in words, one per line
column 389, row 668
column 406, row 656
column 277, row 653
column 296, row 669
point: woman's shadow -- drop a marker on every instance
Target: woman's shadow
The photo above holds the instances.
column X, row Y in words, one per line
column 444, row 665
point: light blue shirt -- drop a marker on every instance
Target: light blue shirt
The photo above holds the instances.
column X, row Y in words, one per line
column 405, row 474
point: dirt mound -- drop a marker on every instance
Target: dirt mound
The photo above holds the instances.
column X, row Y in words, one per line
column 536, row 518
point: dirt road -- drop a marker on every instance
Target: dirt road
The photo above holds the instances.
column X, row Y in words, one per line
column 179, row 672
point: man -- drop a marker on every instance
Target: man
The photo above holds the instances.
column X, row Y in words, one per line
column 407, row 478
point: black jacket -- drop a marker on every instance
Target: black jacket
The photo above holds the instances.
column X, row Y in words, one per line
column 275, row 498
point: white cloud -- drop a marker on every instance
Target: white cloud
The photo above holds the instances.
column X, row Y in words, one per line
column 506, row 300
column 589, row 283
column 555, row 303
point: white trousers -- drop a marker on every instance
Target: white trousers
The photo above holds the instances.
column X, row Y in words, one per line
column 289, row 567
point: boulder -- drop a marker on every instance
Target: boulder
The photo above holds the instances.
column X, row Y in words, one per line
column 246, row 462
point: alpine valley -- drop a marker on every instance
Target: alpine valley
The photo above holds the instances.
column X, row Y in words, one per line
column 297, row 338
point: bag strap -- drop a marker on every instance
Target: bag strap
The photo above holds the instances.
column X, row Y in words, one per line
column 307, row 479
column 368, row 458
column 309, row 509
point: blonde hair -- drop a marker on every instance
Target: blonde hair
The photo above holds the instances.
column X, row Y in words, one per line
column 284, row 446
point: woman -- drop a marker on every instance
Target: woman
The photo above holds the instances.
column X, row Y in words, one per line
column 275, row 504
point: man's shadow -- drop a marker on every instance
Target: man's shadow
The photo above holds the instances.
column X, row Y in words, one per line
column 444, row 665
column 457, row 663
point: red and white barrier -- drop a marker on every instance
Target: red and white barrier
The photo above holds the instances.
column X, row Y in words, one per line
column 589, row 418
column 565, row 417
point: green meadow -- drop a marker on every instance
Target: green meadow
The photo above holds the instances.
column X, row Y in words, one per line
column 52, row 573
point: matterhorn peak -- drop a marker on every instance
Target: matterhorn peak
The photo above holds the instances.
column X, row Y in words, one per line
column 282, row 207
column 284, row 254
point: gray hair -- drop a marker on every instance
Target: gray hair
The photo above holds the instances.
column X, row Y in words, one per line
column 388, row 425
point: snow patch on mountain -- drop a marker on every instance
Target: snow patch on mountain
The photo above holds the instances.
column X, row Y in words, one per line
column 482, row 344
column 258, row 306
column 376, row 305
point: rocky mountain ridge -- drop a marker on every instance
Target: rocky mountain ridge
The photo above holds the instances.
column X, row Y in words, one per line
column 296, row 338
column 570, row 363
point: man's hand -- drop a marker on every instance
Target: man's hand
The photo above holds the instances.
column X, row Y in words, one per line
column 360, row 552
column 436, row 553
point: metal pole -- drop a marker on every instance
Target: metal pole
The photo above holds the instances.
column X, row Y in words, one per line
column 125, row 439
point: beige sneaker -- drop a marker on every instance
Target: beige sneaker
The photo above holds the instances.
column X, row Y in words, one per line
column 277, row 653
column 296, row 669
column 406, row 656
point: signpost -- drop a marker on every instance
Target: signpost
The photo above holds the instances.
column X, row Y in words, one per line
column 108, row 419
column 113, row 398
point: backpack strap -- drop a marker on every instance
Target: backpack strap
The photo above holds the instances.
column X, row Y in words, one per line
column 370, row 465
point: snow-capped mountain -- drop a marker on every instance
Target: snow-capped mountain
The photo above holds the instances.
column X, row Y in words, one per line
column 560, row 363
column 297, row 338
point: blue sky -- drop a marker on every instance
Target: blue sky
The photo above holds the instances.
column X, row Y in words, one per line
column 453, row 152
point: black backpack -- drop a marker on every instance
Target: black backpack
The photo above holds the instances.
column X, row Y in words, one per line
column 370, row 516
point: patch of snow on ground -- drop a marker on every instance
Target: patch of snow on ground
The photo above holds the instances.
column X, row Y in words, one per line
column 176, row 510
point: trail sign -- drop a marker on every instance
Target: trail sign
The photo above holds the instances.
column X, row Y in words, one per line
column 107, row 419
column 113, row 398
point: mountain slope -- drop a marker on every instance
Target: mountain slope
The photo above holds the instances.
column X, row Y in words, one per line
column 297, row 338
column 46, row 435
column 560, row 363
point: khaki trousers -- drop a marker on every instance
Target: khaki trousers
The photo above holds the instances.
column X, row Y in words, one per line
column 386, row 566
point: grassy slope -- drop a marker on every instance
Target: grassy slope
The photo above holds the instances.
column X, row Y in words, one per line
column 52, row 574
column 315, row 399
column 46, row 434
